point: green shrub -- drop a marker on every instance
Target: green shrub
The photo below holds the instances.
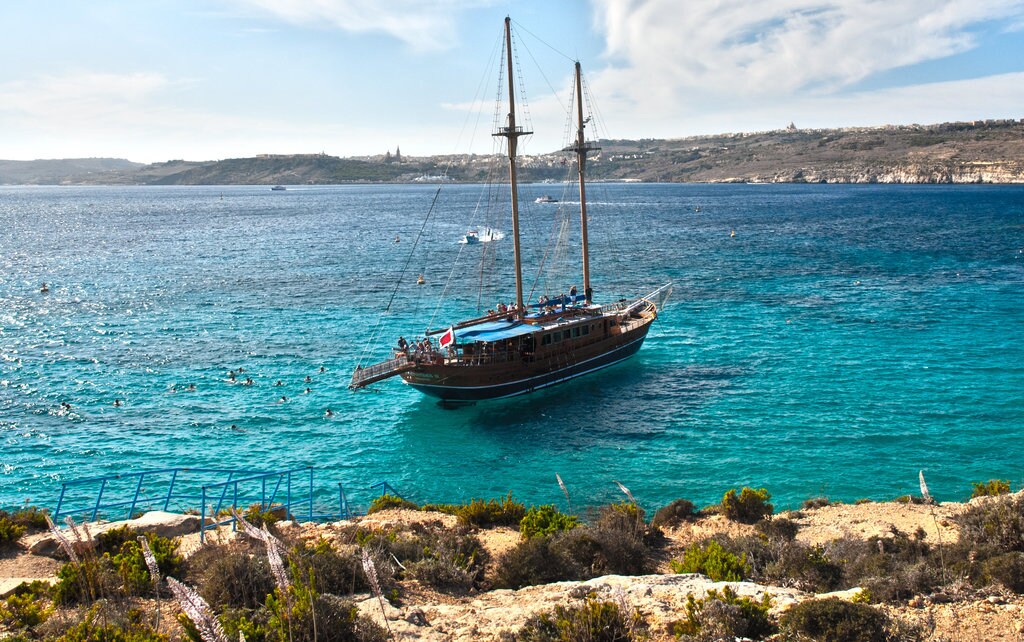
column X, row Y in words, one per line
column 713, row 561
column 998, row 524
column 891, row 568
column 816, row 502
column 112, row 540
column 806, row 567
column 624, row 516
column 251, row 625
column 835, row 620
column 85, row 582
column 331, row 572
column 724, row 616
column 26, row 606
column 1006, row 569
column 307, row 616
column 31, row 517
column 910, row 499
column 236, row 574
column 545, row 520
column 131, row 563
column 747, row 507
column 447, row 509
column 779, row 529
column 10, row 532
column 678, row 511
column 259, row 515
column 448, row 560
column 492, row 512
column 600, row 551
column 111, row 625
column 535, row 561
column 991, row 488
column 387, row 502
column 590, row 621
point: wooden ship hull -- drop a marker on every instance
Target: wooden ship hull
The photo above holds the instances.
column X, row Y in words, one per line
column 525, row 364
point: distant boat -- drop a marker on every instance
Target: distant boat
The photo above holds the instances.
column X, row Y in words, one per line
column 278, row 188
column 546, row 199
column 472, row 237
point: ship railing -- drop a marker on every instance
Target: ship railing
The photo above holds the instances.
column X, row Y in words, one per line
column 399, row 363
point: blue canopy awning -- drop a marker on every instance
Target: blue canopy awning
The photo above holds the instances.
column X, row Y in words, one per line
column 491, row 331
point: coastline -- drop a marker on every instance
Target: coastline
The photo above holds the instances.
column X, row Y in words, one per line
column 414, row 609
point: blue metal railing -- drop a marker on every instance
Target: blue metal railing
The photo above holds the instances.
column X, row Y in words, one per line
column 209, row 491
column 386, row 489
column 141, row 498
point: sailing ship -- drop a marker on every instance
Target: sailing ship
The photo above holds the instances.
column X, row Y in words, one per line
column 525, row 346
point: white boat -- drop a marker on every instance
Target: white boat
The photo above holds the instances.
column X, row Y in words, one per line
column 547, row 198
column 473, row 237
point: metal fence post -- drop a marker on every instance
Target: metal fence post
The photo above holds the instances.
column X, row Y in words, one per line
column 135, row 499
column 202, row 517
column 170, row 488
column 99, row 496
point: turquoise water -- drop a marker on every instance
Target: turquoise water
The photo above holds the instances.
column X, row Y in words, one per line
column 843, row 339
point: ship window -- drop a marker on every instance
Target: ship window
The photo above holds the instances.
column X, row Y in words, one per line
column 546, row 341
column 576, row 331
column 586, row 330
column 566, row 334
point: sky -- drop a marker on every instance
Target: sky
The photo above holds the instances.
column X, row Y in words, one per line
column 157, row 80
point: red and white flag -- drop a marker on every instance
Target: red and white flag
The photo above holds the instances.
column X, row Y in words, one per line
column 447, row 338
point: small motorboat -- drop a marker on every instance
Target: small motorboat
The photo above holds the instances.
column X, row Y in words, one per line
column 547, row 198
column 278, row 188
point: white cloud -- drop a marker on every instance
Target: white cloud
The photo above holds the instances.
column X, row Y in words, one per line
column 136, row 116
column 422, row 24
column 753, row 48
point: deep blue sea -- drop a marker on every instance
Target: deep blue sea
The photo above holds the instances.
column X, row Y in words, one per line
column 821, row 340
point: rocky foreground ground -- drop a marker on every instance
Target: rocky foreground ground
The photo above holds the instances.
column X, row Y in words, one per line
column 423, row 613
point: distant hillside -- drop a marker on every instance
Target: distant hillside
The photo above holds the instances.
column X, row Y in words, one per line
column 975, row 152
column 57, row 172
column 981, row 152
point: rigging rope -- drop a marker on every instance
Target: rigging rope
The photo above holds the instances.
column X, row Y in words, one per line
column 401, row 277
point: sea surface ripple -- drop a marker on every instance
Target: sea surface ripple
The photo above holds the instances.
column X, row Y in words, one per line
column 821, row 340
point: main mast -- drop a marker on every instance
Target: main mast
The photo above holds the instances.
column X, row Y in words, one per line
column 512, row 133
column 581, row 148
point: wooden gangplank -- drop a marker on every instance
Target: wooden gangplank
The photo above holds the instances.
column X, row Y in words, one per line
column 363, row 377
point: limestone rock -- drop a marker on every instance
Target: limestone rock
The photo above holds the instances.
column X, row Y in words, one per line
column 159, row 522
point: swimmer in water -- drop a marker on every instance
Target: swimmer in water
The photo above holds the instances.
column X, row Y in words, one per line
column 307, row 391
column 308, row 379
column 117, row 403
column 279, row 383
column 323, row 369
column 328, row 413
column 283, row 399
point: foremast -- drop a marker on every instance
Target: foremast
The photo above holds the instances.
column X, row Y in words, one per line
column 512, row 132
column 580, row 148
